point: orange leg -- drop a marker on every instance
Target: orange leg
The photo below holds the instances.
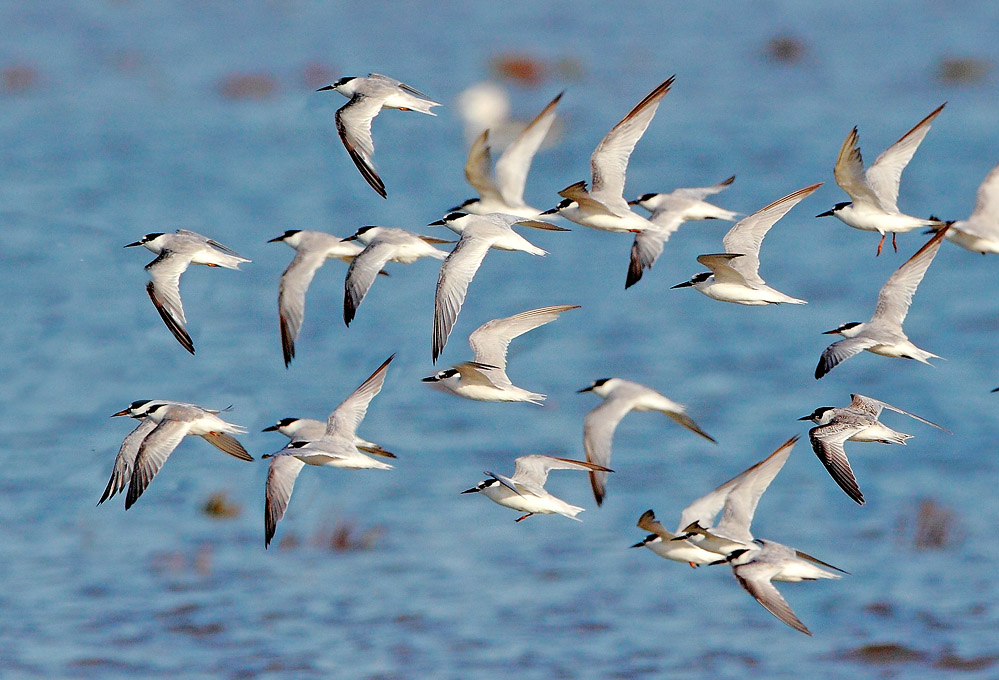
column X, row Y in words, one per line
column 893, row 244
column 881, row 243
column 519, row 519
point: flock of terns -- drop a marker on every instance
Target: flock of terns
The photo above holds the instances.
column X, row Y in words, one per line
column 487, row 223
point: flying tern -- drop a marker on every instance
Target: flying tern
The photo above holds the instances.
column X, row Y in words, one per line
column 883, row 333
column 368, row 96
column 503, row 191
column 735, row 274
column 873, row 204
column 620, row 397
column 603, row 206
column 484, row 378
column 856, row 422
column 174, row 253
column 163, row 425
column 479, row 233
column 382, row 245
column 669, row 212
column 980, row 232
column 525, row 491
column 337, row 447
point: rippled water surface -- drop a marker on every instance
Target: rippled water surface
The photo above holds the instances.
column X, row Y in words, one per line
column 122, row 118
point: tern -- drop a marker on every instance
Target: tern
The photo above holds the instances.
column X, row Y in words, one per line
column 755, row 562
column 980, row 232
column 163, row 424
column 525, row 491
column 382, row 245
column 368, row 96
column 484, row 378
column 307, row 429
column 669, row 212
column 479, row 233
column 174, row 253
column 873, row 204
column 504, row 192
column 620, row 397
column 335, row 448
column 735, row 274
column 312, row 248
column 883, row 333
column 856, row 422
column 603, row 206
column 742, row 491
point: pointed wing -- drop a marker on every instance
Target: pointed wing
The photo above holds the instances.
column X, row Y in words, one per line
column 532, row 471
column 226, row 443
column 984, row 220
column 348, row 415
column 743, row 497
column 874, row 406
column 895, row 296
column 849, row 172
column 609, row 161
column 598, row 437
column 577, row 192
column 124, row 462
column 490, row 340
column 755, row 578
column 291, row 297
column 721, row 266
column 827, row 443
column 648, row 246
column 886, row 172
column 839, row 352
column 280, row 484
column 648, row 522
column 452, row 284
column 153, row 452
column 515, row 162
column 164, row 291
column 700, row 193
column 747, row 235
column 756, row 478
column 479, row 169
column 353, row 124
column 361, row 274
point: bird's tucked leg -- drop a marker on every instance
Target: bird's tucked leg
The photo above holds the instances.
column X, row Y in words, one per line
column 519, row 519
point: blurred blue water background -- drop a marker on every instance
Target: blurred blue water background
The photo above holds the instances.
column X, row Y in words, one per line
column 119, row 118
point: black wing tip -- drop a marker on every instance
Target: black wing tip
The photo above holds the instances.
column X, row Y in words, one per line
column 287, row 343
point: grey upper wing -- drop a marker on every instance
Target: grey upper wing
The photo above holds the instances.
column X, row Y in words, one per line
column 361, row 274
column 827, row 443
column 153, row 452
column 755, row 578
column 515, row 162
column 348, row 415
column 490, row 341
column 895, row 296
column 747, row 235
column 479, row 168
column 745, row 494
column 291, row 297
column 874, row 406
column 125, row 461
column 456, row 273
column 598, row 437
column 353, row 124
column 885, row 173
column 839, row 352
column 164, row 291
column 280, row 484
column 609, row 161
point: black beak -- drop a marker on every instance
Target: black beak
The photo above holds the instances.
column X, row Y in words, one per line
column 132, row 245
column 439, row 223
column 350, row 238
column 272, row 428
column 324, row 89
column 681, row 537
column 274, row 240
column 827, row 213
column 805, row 418
column 553, row 211
column 585, row 389
column 685, row 284
column 123, row 412
column 432, row 378
column 832, row 332
column 640, row 544
column 635, row 202
column 472, row 490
